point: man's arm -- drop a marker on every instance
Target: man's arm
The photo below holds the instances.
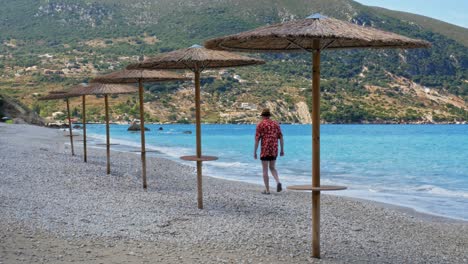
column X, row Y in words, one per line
column 256, row 147
column 281, row 145
column 257, row 139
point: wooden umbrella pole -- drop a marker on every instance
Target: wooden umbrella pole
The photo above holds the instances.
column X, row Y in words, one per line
column 70, row 127
column 142, row 130
column 106, row 101
column 84, row 127
column 198, row 131
column 316, row 149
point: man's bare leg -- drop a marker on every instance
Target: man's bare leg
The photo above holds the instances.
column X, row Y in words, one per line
column 265, row 175
column 273, row 170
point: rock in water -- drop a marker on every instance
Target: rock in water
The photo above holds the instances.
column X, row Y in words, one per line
column 136, row 127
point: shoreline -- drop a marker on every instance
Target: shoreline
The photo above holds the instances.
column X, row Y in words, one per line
column 397, row 123
column 412, row 212
column 403, row 208
column 55, row 208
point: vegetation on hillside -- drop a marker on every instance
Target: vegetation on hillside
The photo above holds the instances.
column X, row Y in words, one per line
column 55, row 43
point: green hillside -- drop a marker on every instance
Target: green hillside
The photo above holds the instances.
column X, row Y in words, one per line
column 48, row 44
column 459, row 34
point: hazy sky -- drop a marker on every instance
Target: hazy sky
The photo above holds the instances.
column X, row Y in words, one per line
column 451, row 11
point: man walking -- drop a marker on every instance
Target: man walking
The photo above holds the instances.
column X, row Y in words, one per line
column 268, row 132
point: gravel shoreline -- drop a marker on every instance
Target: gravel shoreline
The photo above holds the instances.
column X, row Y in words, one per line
column 54, row 208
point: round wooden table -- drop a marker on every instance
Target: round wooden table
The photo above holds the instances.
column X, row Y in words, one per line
column 195, row 158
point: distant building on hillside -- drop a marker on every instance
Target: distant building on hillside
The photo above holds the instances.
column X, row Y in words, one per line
column 247, row 106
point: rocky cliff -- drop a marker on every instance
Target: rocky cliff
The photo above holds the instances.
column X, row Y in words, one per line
column 18, row 112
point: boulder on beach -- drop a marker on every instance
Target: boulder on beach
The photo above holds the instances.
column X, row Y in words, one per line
column 136, row 127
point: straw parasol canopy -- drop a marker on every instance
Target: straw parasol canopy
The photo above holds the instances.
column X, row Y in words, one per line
column 103, row 89
column 313, row 34
column 134, row 76
column 80, row 90
column 298, row 35
column 196, row 58
column 140, row 76
column 57, row 95
column 74, row 91
column 57, row 92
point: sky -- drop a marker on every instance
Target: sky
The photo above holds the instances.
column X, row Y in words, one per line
column 451, row 11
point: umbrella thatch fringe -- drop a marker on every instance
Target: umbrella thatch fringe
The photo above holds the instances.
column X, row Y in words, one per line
column 299, row 35
column 102, row 89
column 196, row 58
column 57, row 95
column 133, row 76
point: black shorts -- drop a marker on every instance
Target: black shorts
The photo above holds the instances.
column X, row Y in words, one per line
column 268, row 158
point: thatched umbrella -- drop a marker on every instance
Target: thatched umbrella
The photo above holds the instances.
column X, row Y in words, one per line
column 58, row 95
column 140, row 77
column 105, row 89
column 196, row 59
column 313, row 34
column 77, row 90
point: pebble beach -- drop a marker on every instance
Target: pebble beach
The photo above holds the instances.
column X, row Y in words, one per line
column 55, row 208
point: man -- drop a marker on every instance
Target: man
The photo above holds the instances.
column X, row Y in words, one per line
column 268, row 131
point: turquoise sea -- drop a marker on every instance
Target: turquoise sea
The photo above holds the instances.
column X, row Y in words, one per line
column 424, row 167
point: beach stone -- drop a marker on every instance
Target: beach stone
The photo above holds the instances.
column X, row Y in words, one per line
column 79, row 209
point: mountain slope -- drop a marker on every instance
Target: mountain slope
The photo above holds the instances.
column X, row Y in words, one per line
column 457, row 33
column 47, row 44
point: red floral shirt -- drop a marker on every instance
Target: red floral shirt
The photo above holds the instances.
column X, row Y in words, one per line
column 268, row 131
